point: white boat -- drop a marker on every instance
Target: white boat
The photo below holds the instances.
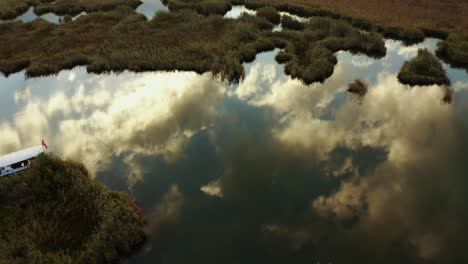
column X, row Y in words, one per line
column 20, row 160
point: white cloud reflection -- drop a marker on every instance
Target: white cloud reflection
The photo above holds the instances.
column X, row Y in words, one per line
column 96, row 117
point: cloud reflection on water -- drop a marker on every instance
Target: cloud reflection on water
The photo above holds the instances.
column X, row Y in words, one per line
column 102, row 116
column 271, row 171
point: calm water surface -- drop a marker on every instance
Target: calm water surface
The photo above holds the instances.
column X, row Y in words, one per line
column 150, row 7
column 267, row 171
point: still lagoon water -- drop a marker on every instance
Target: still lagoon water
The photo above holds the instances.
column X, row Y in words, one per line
column 267, row 170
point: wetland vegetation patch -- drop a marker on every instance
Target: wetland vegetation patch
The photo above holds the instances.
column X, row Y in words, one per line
column 124, row 40
column 454, row 51
column 199, row 40
column 424, row 69
column 10, row 9
column 309, row 54
column 55, row 213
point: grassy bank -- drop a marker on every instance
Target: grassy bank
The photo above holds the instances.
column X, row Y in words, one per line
column 449, row 15
column 55, row 213
column 205, row 7
column 454, row 51
column 309, row 51
column 424, row 69
column 123, row 40
column 67, row 7
column 409, row 33
column 10, row 9
column 270, row 13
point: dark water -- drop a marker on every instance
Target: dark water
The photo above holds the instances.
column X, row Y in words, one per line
column 268, row 171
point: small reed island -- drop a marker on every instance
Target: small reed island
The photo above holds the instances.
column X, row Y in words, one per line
column 424, row 69
column 55, row 213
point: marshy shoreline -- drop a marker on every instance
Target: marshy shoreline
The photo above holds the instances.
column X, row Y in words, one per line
column 195, row 37
column 55, row 213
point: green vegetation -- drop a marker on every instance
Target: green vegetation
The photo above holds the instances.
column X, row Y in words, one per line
column 10, row 9
column 200, row 41
column 454, row 51
column 288, row 22
column 408, row 35
column 205, row 7
column 123, row 40
column 270, row 13
column 424, row 69
column 359, row 89
column 447, row 15
column 55, row 213
column 309, row 54
column 67, row 7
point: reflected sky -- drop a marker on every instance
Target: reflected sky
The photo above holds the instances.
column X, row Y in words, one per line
column 270, row 170
column 30, row 16
column 150, row 7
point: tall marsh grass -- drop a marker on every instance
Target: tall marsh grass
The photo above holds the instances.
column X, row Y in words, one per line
column 454, row 51
column 309, row 54
column 424, row 69
column 10, row 9
column 59, row 215
column 270, row 13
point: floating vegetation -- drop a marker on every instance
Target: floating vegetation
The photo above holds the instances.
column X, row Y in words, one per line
column 448, row 94
column 433, row 16
column 424, row 69
column 55, row 213
column 359, row 89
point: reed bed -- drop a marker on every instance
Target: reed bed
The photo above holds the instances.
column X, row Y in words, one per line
column 121, row 40
column 199, row 40
column 424, row 69
column 67, row 7
column 270, row 13
column 359, row 89
column 309, row 54
column 205, row 7
column 55, row 213
column 10, row 9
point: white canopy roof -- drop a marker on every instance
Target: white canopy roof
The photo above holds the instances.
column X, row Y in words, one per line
column 21, row 155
